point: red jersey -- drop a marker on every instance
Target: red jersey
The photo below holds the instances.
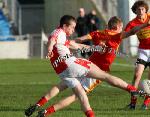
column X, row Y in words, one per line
column 144, row 34
column 112, row 41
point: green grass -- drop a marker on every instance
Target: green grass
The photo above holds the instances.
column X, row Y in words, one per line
column 23, row 82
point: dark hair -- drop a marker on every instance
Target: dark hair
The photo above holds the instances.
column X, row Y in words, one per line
column 66, row 20
column 139, row 4
column 113, row 22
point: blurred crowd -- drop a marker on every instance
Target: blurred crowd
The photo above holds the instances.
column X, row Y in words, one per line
column 87, row 23
column 6, row 26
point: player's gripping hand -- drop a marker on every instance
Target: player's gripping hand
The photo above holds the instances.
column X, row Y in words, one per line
column 102, row 43
column 49, row 55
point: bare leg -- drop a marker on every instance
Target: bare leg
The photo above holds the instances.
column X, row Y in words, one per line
column 65, row 102
column 137, row 77
column 61, row 104
column 80, row 93
column 55, row 90
column 149, row 73
column 96, row 73
column 52, row 93
column 138, row 74
column 146, row 102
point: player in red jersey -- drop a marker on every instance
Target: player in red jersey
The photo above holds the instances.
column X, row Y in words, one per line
column 111, row 38
column 119, row 83
column 140, row 8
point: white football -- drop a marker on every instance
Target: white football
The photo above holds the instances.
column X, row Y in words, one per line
column 145, row 86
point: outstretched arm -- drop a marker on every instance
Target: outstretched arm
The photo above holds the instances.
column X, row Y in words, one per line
column 74, row 46
column 134, row 30
column 83, row 39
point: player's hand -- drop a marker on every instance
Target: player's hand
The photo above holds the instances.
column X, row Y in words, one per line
column 49, row 55
column 92, row 21
column 102, row 43
column 103, row 47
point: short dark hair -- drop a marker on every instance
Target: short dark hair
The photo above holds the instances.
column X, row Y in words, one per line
column 139, row 4
column 113, row 22
column 66, row 20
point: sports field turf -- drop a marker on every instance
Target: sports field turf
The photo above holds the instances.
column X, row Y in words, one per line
column 23, row 82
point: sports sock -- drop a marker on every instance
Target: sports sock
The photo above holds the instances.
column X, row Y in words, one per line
column 89, row 113
column 50, row 110
column 147, row 100
column 131, row 88
column 133, row 100
column 42, row 101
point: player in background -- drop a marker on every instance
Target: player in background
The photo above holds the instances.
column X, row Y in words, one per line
column 88, row 84
column 140, row 8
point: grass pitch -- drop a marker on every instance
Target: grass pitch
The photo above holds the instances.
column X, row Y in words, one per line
column 23, row 82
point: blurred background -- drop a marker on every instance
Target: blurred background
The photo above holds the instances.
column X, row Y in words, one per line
column 25, row 24
column 24, row 73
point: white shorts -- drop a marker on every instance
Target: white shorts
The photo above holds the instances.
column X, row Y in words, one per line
column 144, row 54
column 88, row 83
column 75, row 71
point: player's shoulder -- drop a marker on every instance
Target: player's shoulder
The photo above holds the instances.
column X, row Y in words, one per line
column 101, row 31
column 57, row 31
column 131, row 24
column 148, row 14
column 95, row 32
column 133, row 21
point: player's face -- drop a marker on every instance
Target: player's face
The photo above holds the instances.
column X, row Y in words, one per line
column 119, row 27
column 70, row 28
column 140, row 11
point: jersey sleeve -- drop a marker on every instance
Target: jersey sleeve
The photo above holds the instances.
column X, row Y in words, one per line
column 93, row 35
column 128, row 27
column 53, row 37
column 97, row 35
column 118, row 38
column 148, row 14
column 58, row 36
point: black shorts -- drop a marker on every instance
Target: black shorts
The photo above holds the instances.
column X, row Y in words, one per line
column 140, row 61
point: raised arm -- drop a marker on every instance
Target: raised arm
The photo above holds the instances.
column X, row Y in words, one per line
column 134, row 30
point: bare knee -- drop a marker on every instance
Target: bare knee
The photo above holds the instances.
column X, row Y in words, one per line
column 61, row 87
column 55, row 90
